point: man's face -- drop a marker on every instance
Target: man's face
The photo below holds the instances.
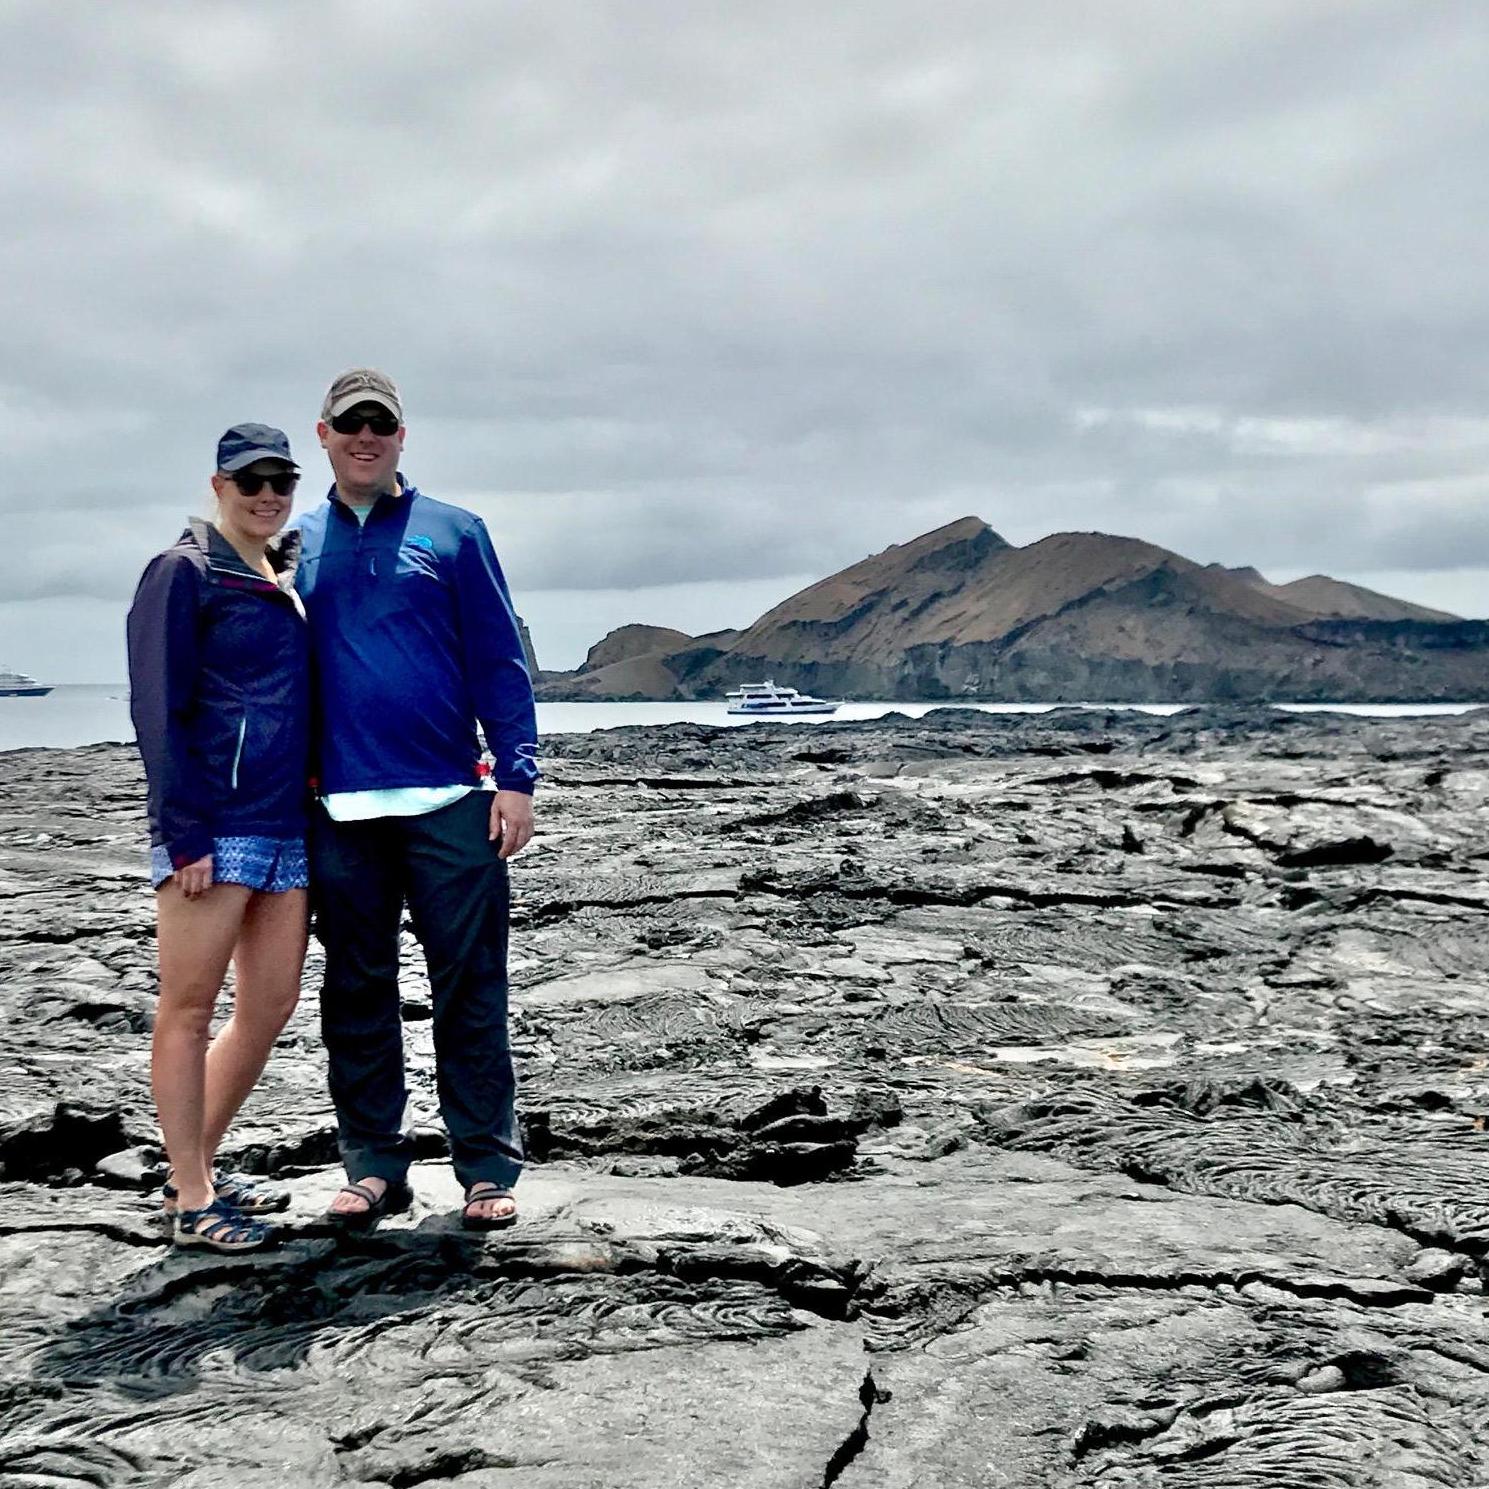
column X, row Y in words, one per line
column 364, row 461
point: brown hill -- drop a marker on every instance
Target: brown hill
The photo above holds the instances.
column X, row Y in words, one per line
column 1247, row 574
column 623, row 666
column 626, row 642
column 1077, row 616
column 630, row 680
column 1320, row 595
column 960, row 589
column 1324, row 596
column 627, row 665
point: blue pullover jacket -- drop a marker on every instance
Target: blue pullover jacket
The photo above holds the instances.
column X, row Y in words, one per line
column 413, row 640
column 219, row 695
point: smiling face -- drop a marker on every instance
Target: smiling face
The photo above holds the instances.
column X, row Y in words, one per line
column 365, row 463
column 255, row 517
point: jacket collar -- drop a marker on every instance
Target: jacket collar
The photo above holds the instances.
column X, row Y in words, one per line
column 406, row 491
column 284, row 556
column 283, row 553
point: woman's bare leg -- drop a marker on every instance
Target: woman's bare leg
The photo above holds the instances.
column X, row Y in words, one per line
column 266, row 962
column 194, row 938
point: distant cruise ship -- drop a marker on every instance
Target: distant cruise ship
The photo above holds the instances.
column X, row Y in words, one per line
column 18, row 685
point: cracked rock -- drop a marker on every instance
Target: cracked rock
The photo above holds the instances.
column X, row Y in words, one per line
column 1083, row 1099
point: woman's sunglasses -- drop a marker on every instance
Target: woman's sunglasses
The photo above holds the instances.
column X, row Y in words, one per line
column 251, row 484
column 353, row 423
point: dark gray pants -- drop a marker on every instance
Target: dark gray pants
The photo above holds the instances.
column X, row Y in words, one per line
column 443, row 866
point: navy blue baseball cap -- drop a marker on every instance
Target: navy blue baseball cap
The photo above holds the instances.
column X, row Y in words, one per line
column 245, row 443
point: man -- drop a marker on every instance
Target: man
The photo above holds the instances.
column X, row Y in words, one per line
column 414, row 641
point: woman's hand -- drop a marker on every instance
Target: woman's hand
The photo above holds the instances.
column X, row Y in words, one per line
column 196, row 878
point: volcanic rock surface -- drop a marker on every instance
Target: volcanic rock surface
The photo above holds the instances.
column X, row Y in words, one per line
column 1082, row 1099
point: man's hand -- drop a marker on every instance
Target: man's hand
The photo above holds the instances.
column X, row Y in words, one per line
column 196, row 878
column 511, row 821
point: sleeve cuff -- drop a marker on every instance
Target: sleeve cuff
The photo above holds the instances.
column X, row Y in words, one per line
column 189, row 847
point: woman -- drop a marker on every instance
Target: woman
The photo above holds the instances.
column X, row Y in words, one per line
column 219, row 698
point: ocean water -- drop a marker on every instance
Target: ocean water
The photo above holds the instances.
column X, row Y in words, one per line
column 89, row 713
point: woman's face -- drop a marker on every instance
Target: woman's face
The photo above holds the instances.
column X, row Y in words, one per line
column 247, row 502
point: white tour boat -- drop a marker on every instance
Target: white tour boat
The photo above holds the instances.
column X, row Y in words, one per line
column 18, row 685
column 766, row 698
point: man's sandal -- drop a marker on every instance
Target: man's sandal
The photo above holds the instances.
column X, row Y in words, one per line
column 481, row 1192
column 242, row 1194
column 394, row 1200
column 219, row 1227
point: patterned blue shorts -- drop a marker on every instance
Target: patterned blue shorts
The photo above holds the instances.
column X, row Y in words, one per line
column 268, row 864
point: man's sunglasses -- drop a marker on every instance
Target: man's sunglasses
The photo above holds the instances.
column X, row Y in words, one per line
column 354, row 423
column 250, row 484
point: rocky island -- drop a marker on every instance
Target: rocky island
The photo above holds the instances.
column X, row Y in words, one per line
column 961, row 613
column 1083, row 1099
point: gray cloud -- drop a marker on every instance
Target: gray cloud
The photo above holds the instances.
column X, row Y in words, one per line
column 710, row 293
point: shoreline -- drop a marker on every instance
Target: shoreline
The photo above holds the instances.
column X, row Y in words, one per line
column 83, row 714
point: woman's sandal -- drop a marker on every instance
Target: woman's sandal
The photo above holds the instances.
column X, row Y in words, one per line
column 235, row 1190
column 481, row 1191
column 219, row 1227
column 394, row 1200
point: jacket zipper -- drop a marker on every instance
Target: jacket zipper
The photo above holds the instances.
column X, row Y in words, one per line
column 238, row 753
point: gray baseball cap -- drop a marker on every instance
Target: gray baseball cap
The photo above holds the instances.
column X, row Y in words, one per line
column 362, row 385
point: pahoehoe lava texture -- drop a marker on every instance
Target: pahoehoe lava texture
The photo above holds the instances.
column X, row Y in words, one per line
column 1075, row 1100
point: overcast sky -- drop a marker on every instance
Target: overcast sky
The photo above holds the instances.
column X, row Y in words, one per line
column 695, row 302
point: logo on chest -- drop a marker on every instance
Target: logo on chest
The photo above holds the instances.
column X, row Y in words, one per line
column 417, row 559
